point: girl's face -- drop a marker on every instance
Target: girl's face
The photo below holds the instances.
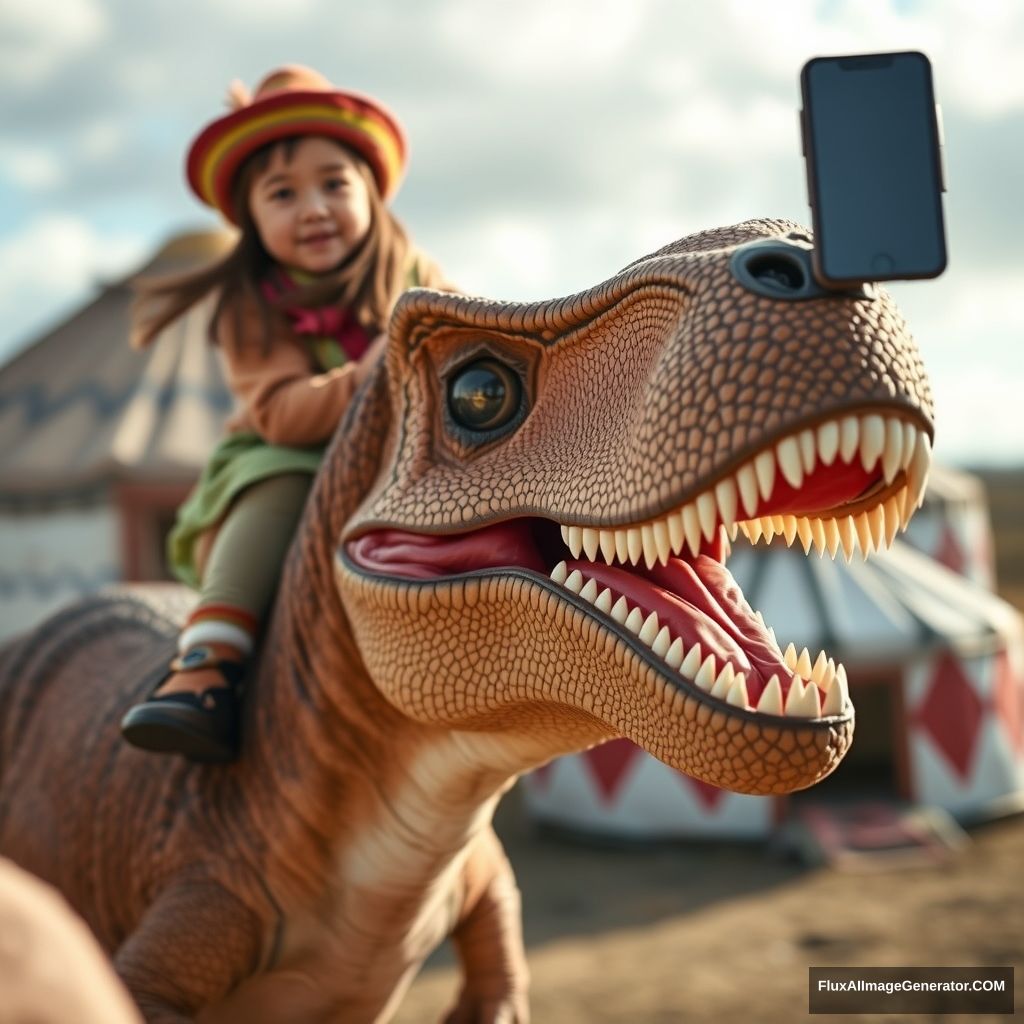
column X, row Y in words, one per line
column 311, row 207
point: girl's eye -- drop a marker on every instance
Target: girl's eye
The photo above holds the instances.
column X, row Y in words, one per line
column 484, row 395
column 336, row 184
column 281, row 193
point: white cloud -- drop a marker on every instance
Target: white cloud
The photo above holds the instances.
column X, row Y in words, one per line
column 31, row 167
column 55, row 261
column 36, row 37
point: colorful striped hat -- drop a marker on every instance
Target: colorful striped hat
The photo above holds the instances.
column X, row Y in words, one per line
column 293, row 100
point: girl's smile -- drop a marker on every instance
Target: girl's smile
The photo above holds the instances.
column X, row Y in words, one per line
column 310, row 205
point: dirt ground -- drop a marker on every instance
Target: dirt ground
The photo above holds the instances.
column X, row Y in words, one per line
column 725, row 932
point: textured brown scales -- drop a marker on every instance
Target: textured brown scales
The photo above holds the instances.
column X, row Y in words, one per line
column 309, row 881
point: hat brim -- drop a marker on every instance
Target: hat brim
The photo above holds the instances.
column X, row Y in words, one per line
column 357, row 121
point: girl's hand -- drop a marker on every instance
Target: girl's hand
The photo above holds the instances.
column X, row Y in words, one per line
column 370, row 358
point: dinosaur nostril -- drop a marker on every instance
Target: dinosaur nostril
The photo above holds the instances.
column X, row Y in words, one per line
column 777, row 272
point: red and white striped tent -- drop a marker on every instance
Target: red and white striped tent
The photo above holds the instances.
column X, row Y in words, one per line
column 936, row 670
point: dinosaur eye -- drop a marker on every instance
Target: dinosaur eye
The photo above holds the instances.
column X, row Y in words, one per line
column 484, row 395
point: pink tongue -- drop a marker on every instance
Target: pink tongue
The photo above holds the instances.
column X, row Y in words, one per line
column 701, row 603
column 422, row 556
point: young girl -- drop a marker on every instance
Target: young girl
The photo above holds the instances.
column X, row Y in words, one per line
column 303, row 170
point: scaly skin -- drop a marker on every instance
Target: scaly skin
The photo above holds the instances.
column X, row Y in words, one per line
column 428, row 646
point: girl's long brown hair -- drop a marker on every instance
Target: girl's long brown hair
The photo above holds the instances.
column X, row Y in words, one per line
column 367, row 283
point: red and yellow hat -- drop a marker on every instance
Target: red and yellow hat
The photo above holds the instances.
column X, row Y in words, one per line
column 293, row 100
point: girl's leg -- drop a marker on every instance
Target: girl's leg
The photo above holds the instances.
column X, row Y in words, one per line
column 241, row 576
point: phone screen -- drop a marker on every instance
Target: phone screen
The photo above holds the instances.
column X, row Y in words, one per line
column 873, row 151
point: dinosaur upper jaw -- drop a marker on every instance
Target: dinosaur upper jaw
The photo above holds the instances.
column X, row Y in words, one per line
column 847, row 483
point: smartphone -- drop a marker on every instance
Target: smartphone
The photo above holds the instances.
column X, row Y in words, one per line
column 872, row 140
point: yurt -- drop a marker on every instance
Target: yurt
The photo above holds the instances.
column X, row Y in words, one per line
column 936, row 672
column 953, row 525
column 100, row 443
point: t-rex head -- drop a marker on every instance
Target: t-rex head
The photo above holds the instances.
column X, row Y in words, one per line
column 543, row 550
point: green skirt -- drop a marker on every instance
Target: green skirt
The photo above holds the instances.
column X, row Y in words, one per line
column 239, row 461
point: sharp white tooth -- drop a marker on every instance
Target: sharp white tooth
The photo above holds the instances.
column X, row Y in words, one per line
column 808, row 450
column 674, row 657
column 575, row 540
column 634, row 620
column 691, row 526
column 790, row 657
column 575, row 581
column 849, row 437
column 811, row 703
column 872, row 440
column 771, row 634
column 847, row 537
column 863, row 528
column 604, row 601
column 746, row 483
column 662, row 642
column 892, row 456
column 734, row 531
column 723, row 684
column 725, row 496
column 820, row 665
column 649, row 630
column 662, row 541
column 723, row 537
column 764, row 468
column 909, row 444
column 830, row 673
column 760, row 618
column 737, row 695
column 560, row 572
column 818, row 534
column 796, row 692
column 841, row 675
column 676, row 533
column 589, row 591
column 843, row 688
column 828, row 442
column 768, row 528
column 917, row 475
column 803, row 663
column 591, row 543
column 650, row 545
column 876, row 520
column 789, row 527
column 620, row 611
column 691, row 663
column 608, row 546
column 788, row 452
column 707, row 513
column 771, row 698
column 565, row 535
column 892, row 519
column 635, row 544
column 833, row 702
column 753, row 530
column 803, row 529
column 622, row 546
column 779, row 524
column 831, row 533
column 705, row 676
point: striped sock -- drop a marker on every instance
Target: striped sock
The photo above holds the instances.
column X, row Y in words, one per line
column 219, row 623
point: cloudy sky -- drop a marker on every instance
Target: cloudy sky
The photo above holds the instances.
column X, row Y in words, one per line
column 553, row 141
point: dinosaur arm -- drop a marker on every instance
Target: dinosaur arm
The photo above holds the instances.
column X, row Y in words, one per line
column 489, row 941
column 196, row 942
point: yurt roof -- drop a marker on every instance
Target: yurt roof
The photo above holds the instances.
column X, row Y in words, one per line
column 890, row 609
column 79, row 406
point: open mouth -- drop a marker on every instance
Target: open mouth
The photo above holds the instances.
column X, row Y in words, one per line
column 849, row 483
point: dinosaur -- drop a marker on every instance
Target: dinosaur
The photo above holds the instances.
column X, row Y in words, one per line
column 513, row 550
